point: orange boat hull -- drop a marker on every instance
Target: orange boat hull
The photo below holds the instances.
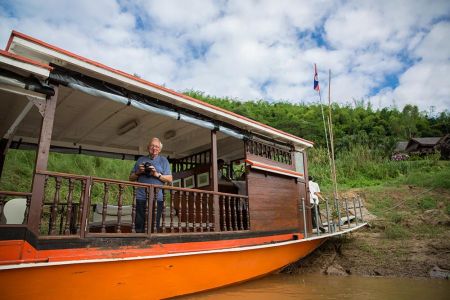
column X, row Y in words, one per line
column 152, row 277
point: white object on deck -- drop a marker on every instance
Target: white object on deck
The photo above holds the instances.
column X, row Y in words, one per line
column 342, row 221
column 14, row 210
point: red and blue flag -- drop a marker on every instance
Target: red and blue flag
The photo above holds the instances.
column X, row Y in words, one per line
column 316, row 79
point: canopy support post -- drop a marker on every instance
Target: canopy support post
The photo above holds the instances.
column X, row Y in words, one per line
column 215, row 180
column 43, row 149
column 3, row 150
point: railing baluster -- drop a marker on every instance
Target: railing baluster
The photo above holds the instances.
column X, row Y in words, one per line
column 69, row 207
column 148, row 209
column 80, row 206
column 154, row 211
column 240, row 206
column 229, row 224
column 223, row 216
column 105, row 206
column 208, row 216
column 172, row 197
column 187, row 211
column 163, row 212
column 55, row 204
column 235, row 226
column 201, row 196
column 119, row 209
column 133, row 211
column 180, row 214
column 247, row 212
column 194, row 223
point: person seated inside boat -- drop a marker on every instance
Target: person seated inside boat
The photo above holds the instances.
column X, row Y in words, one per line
column 151, row 169
column 220, row 168
column 241, row 184
column 314, row 196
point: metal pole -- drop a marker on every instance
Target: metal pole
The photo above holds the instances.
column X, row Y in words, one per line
column 354, row 208
column 346, row 212
column 328, row 215
column 338, row 213
column 317, row 218
column 304, row 218
column 360, row 210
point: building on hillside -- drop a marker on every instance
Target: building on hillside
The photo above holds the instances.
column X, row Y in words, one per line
column 425, row 145
column 400, row 147
column 400, row 151
column 422, row 146
column 444, row 146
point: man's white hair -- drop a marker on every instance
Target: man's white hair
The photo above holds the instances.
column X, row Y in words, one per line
column 160, row 143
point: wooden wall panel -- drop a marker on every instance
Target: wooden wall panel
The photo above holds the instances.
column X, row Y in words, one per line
column 273, row 201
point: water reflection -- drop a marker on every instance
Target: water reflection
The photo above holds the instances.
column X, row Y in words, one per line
column 282, row 286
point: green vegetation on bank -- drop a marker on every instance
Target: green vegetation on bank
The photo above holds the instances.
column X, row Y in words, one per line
column 357, row 124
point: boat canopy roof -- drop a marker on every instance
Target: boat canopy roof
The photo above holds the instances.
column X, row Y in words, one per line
column 106, row 110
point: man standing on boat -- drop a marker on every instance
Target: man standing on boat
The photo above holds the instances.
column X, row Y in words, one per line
column 314, row 195
column 151, row 169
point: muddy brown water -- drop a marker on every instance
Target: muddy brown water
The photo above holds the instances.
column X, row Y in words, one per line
column 316, row 286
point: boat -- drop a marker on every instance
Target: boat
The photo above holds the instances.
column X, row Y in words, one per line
column 74, row 236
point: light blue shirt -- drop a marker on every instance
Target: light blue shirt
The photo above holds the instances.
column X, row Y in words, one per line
column 161, row 165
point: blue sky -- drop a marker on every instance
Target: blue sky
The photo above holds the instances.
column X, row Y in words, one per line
column 394, row 52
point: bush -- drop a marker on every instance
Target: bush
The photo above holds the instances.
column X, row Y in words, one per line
column 395, row 232
column 427, row 203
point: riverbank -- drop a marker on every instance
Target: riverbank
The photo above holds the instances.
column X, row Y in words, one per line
column 407, row 236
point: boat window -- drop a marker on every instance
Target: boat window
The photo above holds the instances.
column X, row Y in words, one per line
column 299, row 162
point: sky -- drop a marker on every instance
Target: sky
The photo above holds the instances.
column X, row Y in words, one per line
column 387, row 52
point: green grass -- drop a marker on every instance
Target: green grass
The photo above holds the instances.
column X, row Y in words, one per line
column 19, row 166
column 396, row 231
column 363, row 167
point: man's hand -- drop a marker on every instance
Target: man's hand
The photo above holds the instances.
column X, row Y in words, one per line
column 153, row 171
column 141, row 170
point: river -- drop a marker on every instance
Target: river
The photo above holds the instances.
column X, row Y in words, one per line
column 284, row 286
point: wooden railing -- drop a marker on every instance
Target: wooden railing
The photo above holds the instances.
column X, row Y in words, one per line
column 191, row 161
column 81, row 206
column 269, row 151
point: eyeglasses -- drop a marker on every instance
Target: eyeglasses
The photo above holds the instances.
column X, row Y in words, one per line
column 155, row 146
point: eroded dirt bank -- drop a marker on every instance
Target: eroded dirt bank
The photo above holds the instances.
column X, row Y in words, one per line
column 366, row 253
column 404, row 240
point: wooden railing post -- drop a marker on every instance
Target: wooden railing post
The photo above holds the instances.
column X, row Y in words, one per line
column 215, row 180
column 45, row 137
column 86, row 196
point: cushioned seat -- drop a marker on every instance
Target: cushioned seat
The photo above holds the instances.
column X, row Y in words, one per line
column 112, row 212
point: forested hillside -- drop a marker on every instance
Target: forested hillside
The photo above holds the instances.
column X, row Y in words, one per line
column 357, row 124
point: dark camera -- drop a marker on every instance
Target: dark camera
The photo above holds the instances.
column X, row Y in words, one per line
column 148, row 169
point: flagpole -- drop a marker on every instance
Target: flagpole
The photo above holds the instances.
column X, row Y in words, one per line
column 316, row 79
column 330, row 122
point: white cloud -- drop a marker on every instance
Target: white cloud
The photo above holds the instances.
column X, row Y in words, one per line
column 257, row 49
column 426, row 82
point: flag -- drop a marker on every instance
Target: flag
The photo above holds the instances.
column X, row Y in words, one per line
column 316, row 79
